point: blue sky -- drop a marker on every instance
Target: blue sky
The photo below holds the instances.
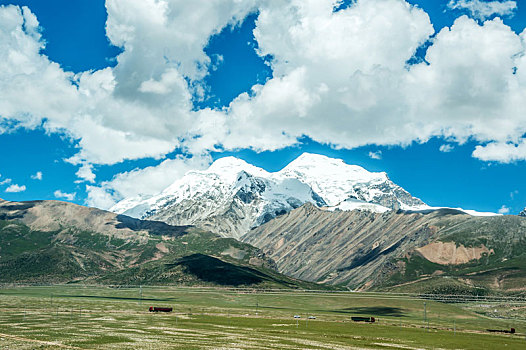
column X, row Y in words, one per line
column 76, row 39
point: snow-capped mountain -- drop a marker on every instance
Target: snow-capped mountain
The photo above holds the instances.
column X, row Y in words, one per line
column 232, row 196
column 523, row 212
column 341, row 184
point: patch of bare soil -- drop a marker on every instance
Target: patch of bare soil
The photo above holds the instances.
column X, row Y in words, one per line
column 448, row 253
column 162, row 247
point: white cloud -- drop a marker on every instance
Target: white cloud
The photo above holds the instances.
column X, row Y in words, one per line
column 85, row 173
column 142, row 107
column 472, row 85
column 501, row 152
column 504, row 210
column 99, row 197
column 14, row 188
column 513, row 194
column 5, row 181
column 147, row 181
column 483, row 9
column 375, row 155
column 37, row 176
column 446, row 148
column 338, row 77
column 64, row 195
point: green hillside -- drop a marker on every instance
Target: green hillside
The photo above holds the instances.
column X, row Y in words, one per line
column 501, row 270
column 39, row 248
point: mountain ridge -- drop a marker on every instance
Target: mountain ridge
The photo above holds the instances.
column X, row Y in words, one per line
column 232, row 196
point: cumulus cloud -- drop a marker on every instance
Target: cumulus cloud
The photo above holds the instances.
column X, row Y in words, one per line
column 446, row 148
column 64, row 195
column 142, row 107
column 85, row 173
column 483, row 9
column 340, row 78
column 14, row 188
column 37, row 176
column 147, row 181
column 375, row 155
column 472, row 84
column 501, row 152
column 504, row 210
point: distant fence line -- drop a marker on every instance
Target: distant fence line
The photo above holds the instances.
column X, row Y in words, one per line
column 445, row 298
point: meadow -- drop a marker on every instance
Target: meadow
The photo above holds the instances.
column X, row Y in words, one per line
column 88, row 317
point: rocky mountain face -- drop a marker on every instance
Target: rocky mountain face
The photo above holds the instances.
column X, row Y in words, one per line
column 58, row 242
column 232, row 196
column 365, row 250
column 523, row 212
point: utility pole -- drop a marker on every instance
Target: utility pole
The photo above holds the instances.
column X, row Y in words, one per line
column 425, row 313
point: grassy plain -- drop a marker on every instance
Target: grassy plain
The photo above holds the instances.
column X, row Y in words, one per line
column 118, row 318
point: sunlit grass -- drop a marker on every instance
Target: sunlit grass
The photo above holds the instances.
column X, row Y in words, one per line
column 87, row 318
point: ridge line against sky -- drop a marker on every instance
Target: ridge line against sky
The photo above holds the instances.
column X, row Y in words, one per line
column 110, row 99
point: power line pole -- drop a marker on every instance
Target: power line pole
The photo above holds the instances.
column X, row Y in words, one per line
column 425, row 313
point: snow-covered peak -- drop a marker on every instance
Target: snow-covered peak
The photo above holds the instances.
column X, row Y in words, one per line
column 311, row 159
column 309, row 178
column 333, row 179
column 232, row 196
column 230, row 167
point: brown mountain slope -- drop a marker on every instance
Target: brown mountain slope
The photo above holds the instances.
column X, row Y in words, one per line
column 364, row 250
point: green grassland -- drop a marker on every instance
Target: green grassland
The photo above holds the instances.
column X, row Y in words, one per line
column 89, row 317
